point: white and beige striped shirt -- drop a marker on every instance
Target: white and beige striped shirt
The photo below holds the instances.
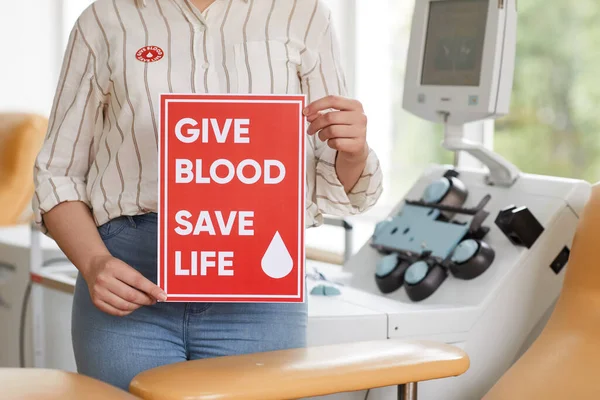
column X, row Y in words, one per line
column 101, row 146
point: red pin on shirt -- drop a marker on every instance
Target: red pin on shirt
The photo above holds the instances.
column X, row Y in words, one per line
column 149, row 54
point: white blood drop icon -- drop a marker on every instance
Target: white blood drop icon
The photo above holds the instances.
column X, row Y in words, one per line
column 277, row 262
column 149, row 55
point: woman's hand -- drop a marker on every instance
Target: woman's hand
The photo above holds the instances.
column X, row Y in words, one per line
column 115, row 287
column 118, row 289
column 344, row 129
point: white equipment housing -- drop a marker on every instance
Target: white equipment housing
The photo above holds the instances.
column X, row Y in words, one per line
column 15, row 271
column 460, row 69
column 494, row 317
column 463, row 89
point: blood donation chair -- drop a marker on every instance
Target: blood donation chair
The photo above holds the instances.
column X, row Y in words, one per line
column 300, row 373
column 277, row 375
column 564, row 361
column 45, row 384
column 21, row 137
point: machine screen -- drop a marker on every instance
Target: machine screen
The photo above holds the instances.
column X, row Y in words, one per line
column 454, row 42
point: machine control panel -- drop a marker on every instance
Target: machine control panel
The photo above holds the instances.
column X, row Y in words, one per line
column 434, row 237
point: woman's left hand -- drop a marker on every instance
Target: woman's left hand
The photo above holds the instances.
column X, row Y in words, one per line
column 344, row 129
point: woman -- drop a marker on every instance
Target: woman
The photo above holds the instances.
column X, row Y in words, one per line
column 96, row 176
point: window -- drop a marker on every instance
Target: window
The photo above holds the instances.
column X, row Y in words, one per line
column 72, row 9
column 554, row 124
column 404, row 143
column 29, row 63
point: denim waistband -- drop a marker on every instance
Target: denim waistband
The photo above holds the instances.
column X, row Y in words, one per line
column 150, row 217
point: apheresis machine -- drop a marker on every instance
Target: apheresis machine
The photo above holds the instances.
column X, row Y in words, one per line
column 471, row 257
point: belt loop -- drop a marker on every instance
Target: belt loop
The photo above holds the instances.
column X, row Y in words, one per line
column 131, row 221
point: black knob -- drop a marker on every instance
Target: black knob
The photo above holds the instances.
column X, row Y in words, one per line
column 519, row 225
column 389, row 274
column 447, row 191
column 471, row 258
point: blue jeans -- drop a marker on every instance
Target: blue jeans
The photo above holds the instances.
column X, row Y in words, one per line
column 115, row 349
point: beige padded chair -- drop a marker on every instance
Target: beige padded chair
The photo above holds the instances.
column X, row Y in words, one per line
column 43, row 384
column 564, row 362
column 299, row 373
column 278, row 375
column 21, row 138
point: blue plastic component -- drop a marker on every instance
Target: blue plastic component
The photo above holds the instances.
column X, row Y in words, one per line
column 318, row 290
column 386, row 265
column 436, row 191
column 465, row 251
column 332, row 291
column 322, row 290
column 415, row 229
column 416, row 272
column 380, row 226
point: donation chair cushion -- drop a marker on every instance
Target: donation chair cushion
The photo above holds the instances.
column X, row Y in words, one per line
column 564, row 361
column 44, row 384
column 293, row 374
column 21, row 138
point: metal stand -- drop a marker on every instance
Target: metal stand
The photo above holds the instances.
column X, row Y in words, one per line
column 342, row 223
column 501, row 171
column 35, row 251
column 36, row 260
column 407, row 391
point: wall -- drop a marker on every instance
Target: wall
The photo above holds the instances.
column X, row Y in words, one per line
column 31, row 48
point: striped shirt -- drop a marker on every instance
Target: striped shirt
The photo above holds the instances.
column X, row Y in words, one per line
column 102, row 141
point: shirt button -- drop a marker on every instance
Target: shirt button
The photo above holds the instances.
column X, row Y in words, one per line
column 205, row 65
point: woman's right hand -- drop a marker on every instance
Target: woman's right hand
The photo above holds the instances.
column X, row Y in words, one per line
column 115, row 287
column 118, row 289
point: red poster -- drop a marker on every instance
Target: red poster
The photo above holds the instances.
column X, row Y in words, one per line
column 232, row 187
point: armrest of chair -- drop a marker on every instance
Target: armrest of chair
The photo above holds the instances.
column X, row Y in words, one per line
column 45, row 384
column 298, row 373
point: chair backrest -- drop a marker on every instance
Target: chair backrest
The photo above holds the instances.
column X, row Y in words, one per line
column 582, row 276
column 21, row 138
column 563, row 362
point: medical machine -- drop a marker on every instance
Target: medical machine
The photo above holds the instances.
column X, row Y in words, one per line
column 474, row 257
column 17, row 322
column 460, row 69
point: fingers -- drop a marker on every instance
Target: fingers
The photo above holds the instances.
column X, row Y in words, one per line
column 345, row 145
column 333, row 102
column 116, row 301
column 109, row 309
column 136, row 280
column 103, row 292
column 335, row 118
column 129, row 294
column 344, row 138
column 338, row 131
column 118, row 289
